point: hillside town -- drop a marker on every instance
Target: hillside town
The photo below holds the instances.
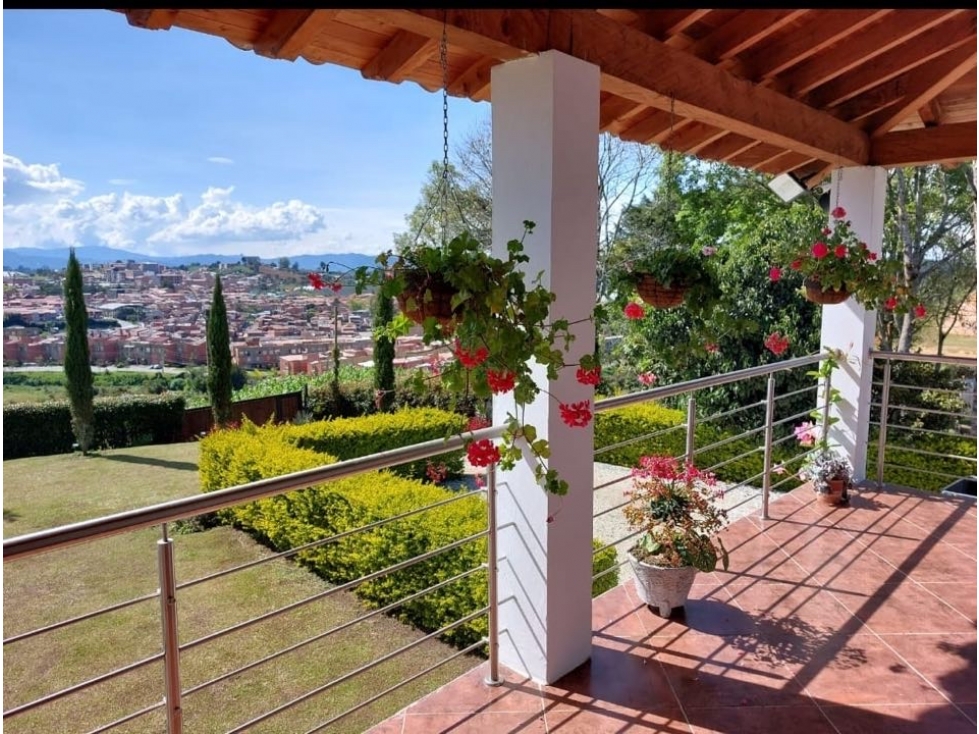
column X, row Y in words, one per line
column 144, row 313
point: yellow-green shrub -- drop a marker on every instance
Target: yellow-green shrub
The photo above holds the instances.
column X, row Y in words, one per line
column 348, row 438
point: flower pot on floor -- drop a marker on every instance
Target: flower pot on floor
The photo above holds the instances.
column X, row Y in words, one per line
column 835, row 494
column 662, row 588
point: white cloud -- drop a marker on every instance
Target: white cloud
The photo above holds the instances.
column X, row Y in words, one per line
column 23, row 183
column 220, row 160
column 178, row 224
column 122, row 181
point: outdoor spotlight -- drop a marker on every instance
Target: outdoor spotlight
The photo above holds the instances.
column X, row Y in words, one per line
column 787, row 186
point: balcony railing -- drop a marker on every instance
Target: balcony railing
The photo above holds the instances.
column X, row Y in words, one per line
column 767, row 431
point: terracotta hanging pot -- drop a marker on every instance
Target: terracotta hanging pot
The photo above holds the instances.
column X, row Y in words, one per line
column 659, row 296
column 427, row 294
column 816, row 294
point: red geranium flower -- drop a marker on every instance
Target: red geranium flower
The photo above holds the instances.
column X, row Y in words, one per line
column 920, row 311
column 316, row 280
column 336, row 286
column 711, row 348
column 796, row 265
column 648, row 379
column 634, row 311
column 871, row 256
column 591, row 376
column 471, row 359
column 500, row 382
column 838, row 213
column 482, row 452
column 827, row 231
column 775, row 274
column 891, row 303
column 576, row 415
column 776, row 343
column 840, row 251
column 820, row 250
column 477, row 422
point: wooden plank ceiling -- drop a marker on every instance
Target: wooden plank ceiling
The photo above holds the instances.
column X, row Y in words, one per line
column 800, row 91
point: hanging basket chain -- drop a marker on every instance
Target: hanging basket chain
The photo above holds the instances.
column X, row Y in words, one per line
column 444, row 197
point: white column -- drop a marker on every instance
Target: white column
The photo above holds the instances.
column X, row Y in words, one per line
column 545, row 169
column 848, row 325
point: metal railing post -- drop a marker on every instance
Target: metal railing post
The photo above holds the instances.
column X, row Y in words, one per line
column 691, row 427
column 171, row 641
column 769, row 435
column 827, row 402
column 492, row 572
column 885, row 399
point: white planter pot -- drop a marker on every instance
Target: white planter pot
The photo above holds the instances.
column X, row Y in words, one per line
column 662, row 588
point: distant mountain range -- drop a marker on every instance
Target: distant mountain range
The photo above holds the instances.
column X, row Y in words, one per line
column 32, row 258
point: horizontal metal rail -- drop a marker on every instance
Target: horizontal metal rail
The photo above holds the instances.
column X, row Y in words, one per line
column 607, row 510
column 610, row 569
column 128, row 718
column 354, row 673
column 669, row 391
column 51, row 697
column 930, row 411
column 922, row 388
column 623, row 539
column 733, row 411
column 80, row 618
column 787, row 479
column 921, row 452
column 800, row 391
column 333, row 630
column 637, row 439
column 742, row 455
column 946, row 433
column 611, row 482
column 396, row 686
column 928, row 358
column 795, row 417
column 331, row 539
column 921, row 471
column 744, row 483
column 729, row 439
column 333, row 590
column 143, row 517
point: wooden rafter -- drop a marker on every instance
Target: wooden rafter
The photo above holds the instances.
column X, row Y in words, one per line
column 691, row 135
column 615, row 111
column 748, row 28
column 153, row 20
column 474, row 81
column 640, row 68
column 647, row 126
column 858, row 48
column 290, row 31
column 784, row 161
column 405, row 52
column 927, row 46
column 724, row 148
column 945, row 143
column 664, row 24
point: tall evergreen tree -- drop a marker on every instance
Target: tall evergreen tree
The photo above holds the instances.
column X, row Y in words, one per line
column 219, row 357
column 383, row 313
column 78, row 370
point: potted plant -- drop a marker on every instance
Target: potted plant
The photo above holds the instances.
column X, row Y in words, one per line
column 666, row 277
column 673, row 507
column 498, row 324
column 838, row 265
column 831, row 475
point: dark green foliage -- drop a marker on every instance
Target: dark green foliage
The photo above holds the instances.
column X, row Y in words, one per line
column 603, row 560
column 78, row 369
column 234, row 457
column 42, row 429
column 356, row 398
column 383, row 313
column 219, row 357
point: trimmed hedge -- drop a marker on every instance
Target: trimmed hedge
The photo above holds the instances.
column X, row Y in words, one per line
column 42, row 429
column 356, row 398
column 230, row 457
column 909, row 469
column 348, row 438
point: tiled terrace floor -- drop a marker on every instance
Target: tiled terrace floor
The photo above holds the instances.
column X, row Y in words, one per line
column 849, row 620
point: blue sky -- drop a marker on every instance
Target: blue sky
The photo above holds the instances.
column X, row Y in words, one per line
column 172, row 142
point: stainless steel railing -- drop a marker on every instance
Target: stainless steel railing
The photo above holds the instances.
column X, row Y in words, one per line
column 768, row 423
column 21, row 547
column 886, row 425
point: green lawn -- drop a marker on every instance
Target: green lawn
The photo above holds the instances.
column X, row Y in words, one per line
column 43, row 492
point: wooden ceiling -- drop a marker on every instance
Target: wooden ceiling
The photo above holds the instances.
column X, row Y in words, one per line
column 801, row 91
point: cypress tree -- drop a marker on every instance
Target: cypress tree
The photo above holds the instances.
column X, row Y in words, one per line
column 219, row 357
column 383, row 313
column 78, row 370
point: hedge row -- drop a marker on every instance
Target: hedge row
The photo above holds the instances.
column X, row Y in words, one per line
column 348, row 438
column 356, row 398
column 911, row 469
column 42, row 429
column 231, row 457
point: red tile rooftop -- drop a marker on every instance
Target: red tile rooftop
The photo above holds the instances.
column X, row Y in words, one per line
column 849, row 620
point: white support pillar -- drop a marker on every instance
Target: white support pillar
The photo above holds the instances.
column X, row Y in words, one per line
column 848, row 325
column 545, row 169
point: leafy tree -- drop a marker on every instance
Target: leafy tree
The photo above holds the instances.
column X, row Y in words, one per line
column 931, row 226
column 78, row 369
column 383, row 313
column 219, row 357
column 283, row 263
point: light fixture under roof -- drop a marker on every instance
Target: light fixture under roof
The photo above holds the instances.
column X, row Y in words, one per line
column 787, row 186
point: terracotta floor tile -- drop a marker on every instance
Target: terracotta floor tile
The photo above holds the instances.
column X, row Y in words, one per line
column 899, row 719
column 848, row 567
column 805, row 612
column 482, row 723
column 470, row 694
column 603, row 719
column 942, row 563
column 906, row 607
column 614, row 613
column 800, row 718
column 863, row 670
column 947, row 661
column 960, row 595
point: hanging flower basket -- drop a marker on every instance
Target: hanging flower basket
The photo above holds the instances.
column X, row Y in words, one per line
column 659, row 296
column 427, row 294
column 816, row 294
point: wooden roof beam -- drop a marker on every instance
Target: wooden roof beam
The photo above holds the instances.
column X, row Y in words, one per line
column 785, row 161
column 474, row 81
column 404, row 53
column 858, row 48
column 664, row 24
column 290, row 31
column 945, row 143
column 153, row 20
column 638, row 67
column 930, row 45
column 748, row 28
column 615, row 112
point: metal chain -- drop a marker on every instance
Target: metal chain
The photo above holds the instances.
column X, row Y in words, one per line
column 443, row 60
column 669, row 163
